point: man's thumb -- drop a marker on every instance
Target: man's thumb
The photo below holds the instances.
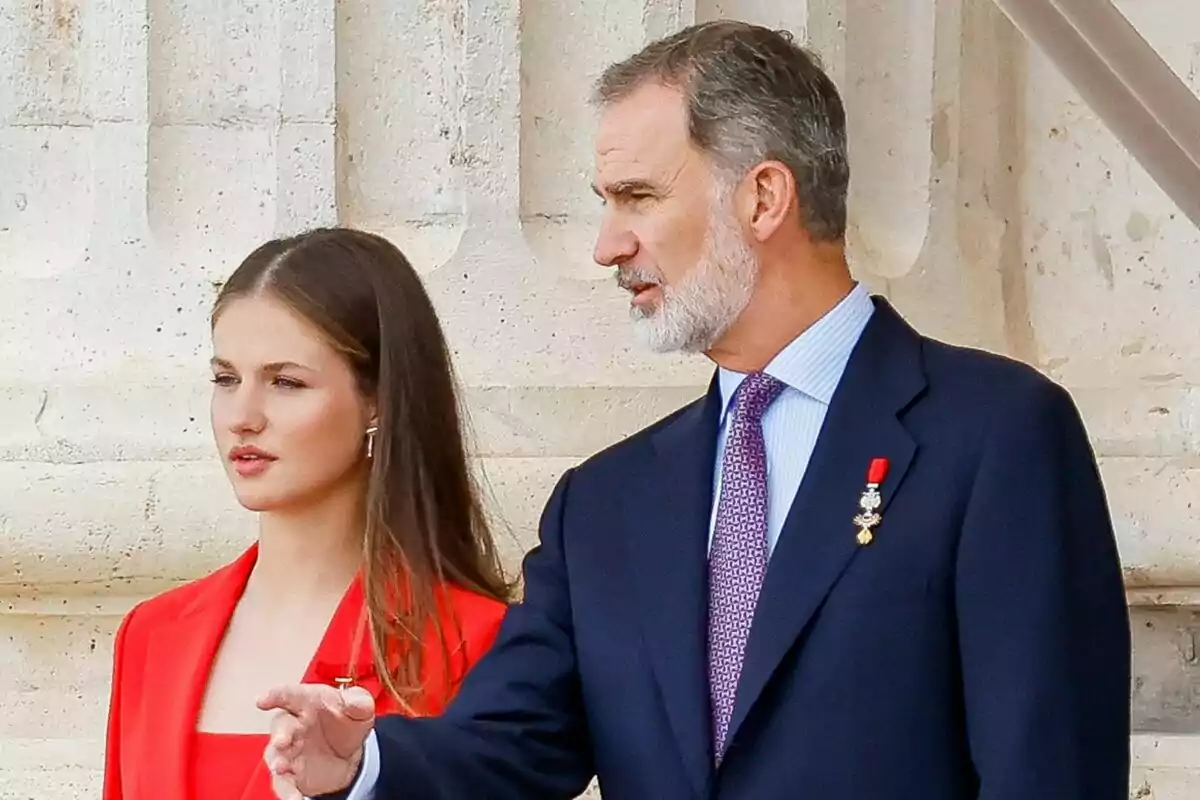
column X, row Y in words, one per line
column 357, row 704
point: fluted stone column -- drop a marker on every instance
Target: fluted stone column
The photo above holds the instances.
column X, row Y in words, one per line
column 147, row 145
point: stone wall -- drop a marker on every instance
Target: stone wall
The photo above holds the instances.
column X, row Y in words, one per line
column 147, row 145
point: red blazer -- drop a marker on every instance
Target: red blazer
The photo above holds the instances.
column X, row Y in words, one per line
column 165, row 648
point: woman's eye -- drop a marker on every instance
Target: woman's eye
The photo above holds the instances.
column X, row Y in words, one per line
column 223, row 380
column 288, row 383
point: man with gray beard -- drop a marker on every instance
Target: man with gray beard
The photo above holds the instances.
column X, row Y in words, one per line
column 691, row 315
column 866, row 565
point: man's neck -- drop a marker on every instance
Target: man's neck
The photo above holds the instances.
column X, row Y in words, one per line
column 786, row 302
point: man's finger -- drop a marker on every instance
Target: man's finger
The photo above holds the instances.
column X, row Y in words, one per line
column 292, row 699
column 284, row 787
column 277, row 764
column 286, row 731
column 354, row 703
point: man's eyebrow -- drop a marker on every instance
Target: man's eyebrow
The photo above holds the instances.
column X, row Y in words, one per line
column 626, row 187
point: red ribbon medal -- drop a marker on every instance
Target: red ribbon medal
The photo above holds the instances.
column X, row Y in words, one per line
column 871, row 501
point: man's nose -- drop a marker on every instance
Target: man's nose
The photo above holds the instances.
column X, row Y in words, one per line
column 615, row 244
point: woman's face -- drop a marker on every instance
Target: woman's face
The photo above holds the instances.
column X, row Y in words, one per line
column 288, row 417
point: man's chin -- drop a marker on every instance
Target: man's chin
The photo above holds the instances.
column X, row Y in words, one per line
column 651, row 335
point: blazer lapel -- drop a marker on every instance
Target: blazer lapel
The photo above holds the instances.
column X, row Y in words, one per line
column 669, row 520
column 178, row 661
column 335, row 659
column 882, row 378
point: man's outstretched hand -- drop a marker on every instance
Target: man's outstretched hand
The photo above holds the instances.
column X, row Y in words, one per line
column 317, row 737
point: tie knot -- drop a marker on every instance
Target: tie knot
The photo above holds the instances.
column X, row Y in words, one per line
column 755, row 395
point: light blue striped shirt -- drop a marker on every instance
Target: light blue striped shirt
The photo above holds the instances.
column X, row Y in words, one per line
column 811, row 366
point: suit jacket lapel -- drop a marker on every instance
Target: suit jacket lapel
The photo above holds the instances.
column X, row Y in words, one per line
column 882, row 377
column 669, row 516
column 178, row 661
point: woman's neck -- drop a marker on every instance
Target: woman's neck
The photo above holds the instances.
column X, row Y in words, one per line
column 309, row 552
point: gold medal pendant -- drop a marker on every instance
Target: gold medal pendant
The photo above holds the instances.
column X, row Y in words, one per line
column 870, row 502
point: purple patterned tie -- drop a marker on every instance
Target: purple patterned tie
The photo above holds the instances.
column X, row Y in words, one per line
column 738, row 560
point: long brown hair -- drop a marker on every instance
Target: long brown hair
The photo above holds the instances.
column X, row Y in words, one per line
column 426, row 524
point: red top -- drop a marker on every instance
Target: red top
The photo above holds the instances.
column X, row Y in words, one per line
column 163, row 655
column 223, row 763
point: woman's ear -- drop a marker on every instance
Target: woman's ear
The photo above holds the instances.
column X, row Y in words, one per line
column 371, row 411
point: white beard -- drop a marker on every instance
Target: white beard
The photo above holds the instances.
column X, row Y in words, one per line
column 696, row 312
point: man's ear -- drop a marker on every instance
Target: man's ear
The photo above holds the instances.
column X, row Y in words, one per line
column 771, row 198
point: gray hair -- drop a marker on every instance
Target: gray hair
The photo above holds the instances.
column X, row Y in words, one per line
column 752, row 95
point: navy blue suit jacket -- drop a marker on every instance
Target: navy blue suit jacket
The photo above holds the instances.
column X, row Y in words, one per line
column 978, row 648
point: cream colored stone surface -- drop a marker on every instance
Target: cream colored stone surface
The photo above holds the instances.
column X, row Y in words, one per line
column 147, row 145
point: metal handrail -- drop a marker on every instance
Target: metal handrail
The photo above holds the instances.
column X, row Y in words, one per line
column 1153, row 113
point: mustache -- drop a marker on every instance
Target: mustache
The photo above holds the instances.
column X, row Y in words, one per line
column 629, row 277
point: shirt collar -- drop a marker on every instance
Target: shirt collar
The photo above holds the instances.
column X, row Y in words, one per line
column 813, row 362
